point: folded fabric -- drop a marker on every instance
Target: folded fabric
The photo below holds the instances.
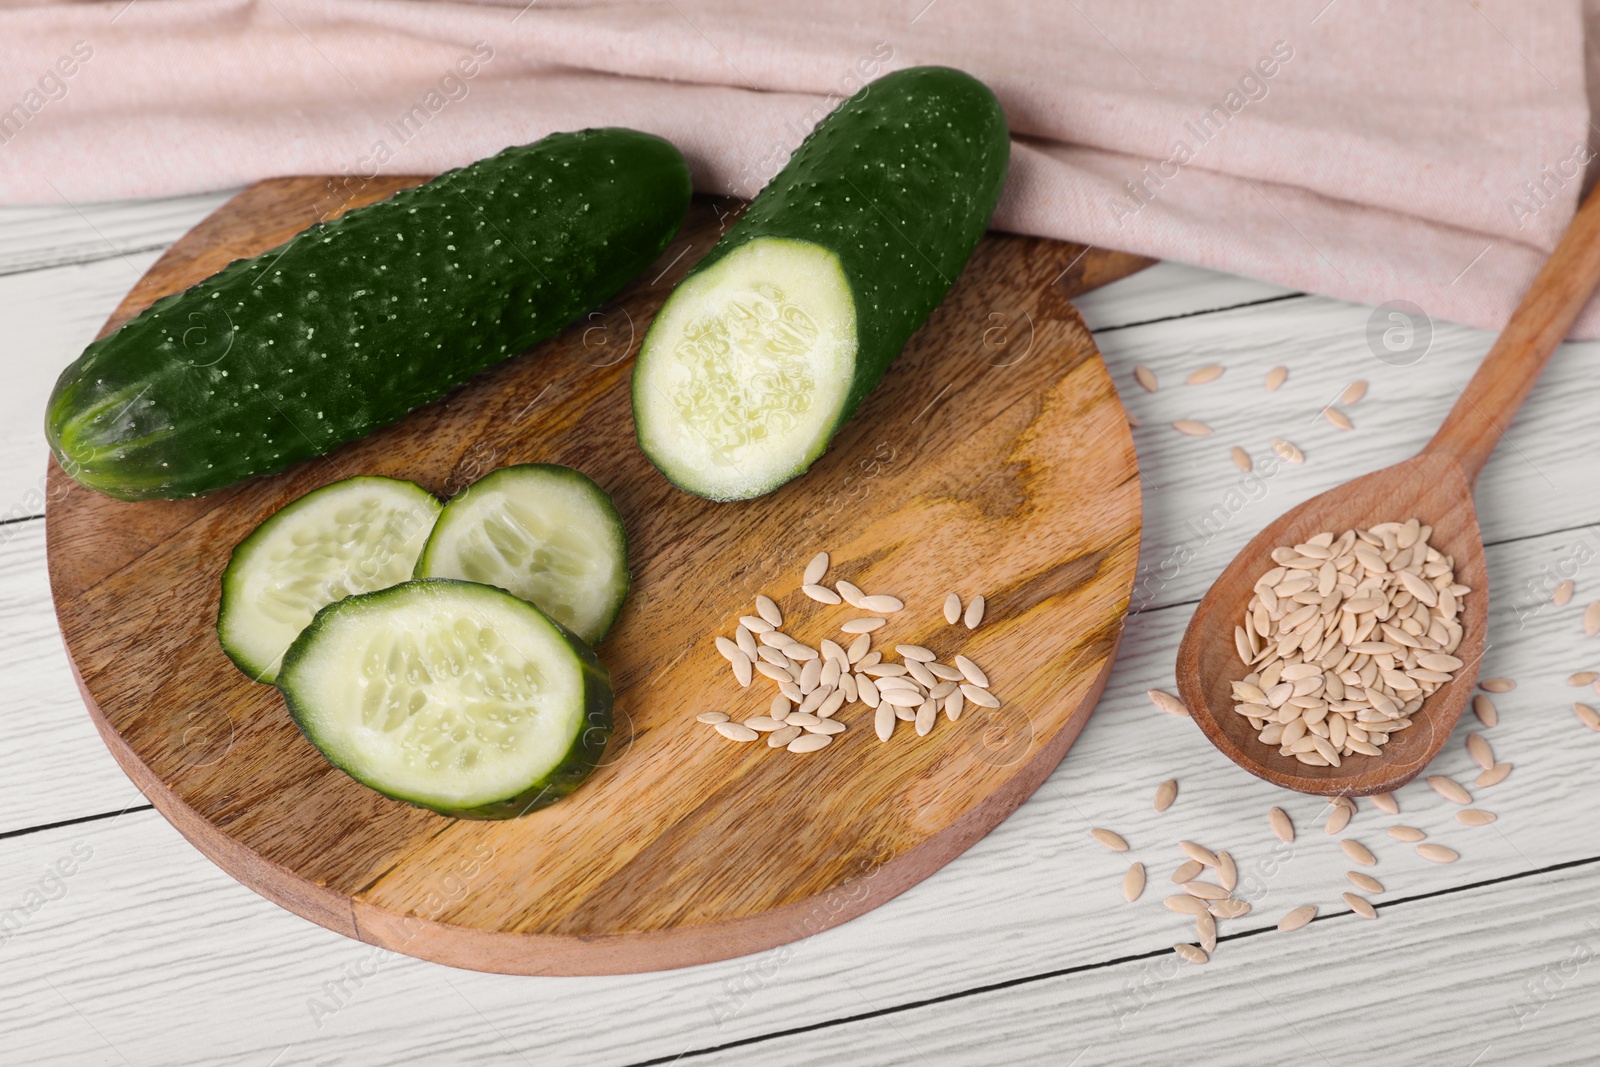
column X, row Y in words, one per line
column 1430, row 151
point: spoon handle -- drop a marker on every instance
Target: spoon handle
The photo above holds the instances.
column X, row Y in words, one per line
column 1480, row 418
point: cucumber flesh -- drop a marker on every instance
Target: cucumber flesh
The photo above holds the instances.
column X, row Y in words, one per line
column 351, row 536
column 542, row 532
column 750, row 369
column 450, row 695
column 862, row 233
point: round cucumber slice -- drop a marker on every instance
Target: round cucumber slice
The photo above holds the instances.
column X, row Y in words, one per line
column 746, row 372
column 452, row 696
column 540, row 531
column 352, row 536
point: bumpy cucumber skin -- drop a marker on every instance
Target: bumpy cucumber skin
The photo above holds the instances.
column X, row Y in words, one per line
column 899, row 182
column 355, row 322
column 229, row 600
column 580, row 761
column 424, row 561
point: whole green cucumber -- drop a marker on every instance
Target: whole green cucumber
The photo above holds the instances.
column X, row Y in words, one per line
column 772, row 342
column 351, row 324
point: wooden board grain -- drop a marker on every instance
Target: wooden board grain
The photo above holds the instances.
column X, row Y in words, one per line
column 995, row 459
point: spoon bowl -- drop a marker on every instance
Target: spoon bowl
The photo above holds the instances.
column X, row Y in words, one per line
column 1434, row 487
column 1430, row 487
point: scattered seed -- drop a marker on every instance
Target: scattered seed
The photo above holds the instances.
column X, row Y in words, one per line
column 1229, row 909
column 1282, row 825
column 767, row 608
column 1406, row 833
column 883, row 722
column 1110, row 839
column 1166, row 793
column 1361, row 906
column 1241, row 458
column 816, row 569
column 979, row 696
column 972, row 671
column 1562, row 594
column 1449, row 788
column 1587, row 715
column 1496, row 685
column 1205, row 931
column 952, row 609
column 916, row 652
column 1485, row 710
column 858, row 648
column 1297, row 918
column 1199, row 853
column 820, row 593
column 974, row 613
column 1386, row 803
column 1474, row 817
column 1187, row 871
column 1205, row 891
column 736, row 732
column 1353, row 393
column 954, row 704
column 1167, row 702
column 863, row 625
column 764, row 723
column 1591, row 619
column 1582, row 678
column 1438, row 853
column 901, row 698
column 1480, row 751
column 1276, row 377
column 1358, row 852
column 1146, row 378
column 810, row 742
column 1364, row 881
column 1192, row 428
column 1184, row 904
column 1192, row 953
column 1493, row 776
column 881, row 602
column 712, row 717
column 756, row 624
column 1338, row 819
column 1338, row 418
column 1287, row 452
column 851, row 593
column 927, row 716
column 781, row 738
column 1209, row 373
column 1133, row 883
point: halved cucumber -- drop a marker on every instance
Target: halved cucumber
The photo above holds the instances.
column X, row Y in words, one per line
column 351, row 536
column 776, row 337
column 452, row 696
column 543, row 532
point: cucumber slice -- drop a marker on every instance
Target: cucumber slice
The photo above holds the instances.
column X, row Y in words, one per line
column 452, row 696
column 540, row 531
column 348, row 537
column 776, row 337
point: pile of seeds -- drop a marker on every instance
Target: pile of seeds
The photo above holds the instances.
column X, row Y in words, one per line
column 815, row 684
column 1345, row 638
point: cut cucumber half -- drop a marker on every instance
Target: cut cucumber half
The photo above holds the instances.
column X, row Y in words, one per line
column 540, row 531
column 774, row 339
column 452, row 696
column 352, row 536
column 749, row 370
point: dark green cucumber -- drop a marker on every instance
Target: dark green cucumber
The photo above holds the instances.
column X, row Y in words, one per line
column 450, row 695
column 354, row 322
column 776, row 337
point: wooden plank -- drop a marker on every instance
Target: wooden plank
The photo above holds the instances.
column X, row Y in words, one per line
column 54, row 235
column 154, row 944
column 1171, row 290
column 1502, row 974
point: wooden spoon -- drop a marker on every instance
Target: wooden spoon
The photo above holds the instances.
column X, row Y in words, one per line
column 1435, row 486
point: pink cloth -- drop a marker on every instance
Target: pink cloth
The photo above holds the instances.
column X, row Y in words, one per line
column 1425, row 150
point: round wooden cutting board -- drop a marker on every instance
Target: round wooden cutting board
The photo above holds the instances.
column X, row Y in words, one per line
column 995, row 459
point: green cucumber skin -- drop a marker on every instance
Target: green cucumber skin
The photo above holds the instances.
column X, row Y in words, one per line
column 581, row 759
column 357, row 321
column 902, row 207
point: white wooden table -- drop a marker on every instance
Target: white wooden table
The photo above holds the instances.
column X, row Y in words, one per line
column 120, row 944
